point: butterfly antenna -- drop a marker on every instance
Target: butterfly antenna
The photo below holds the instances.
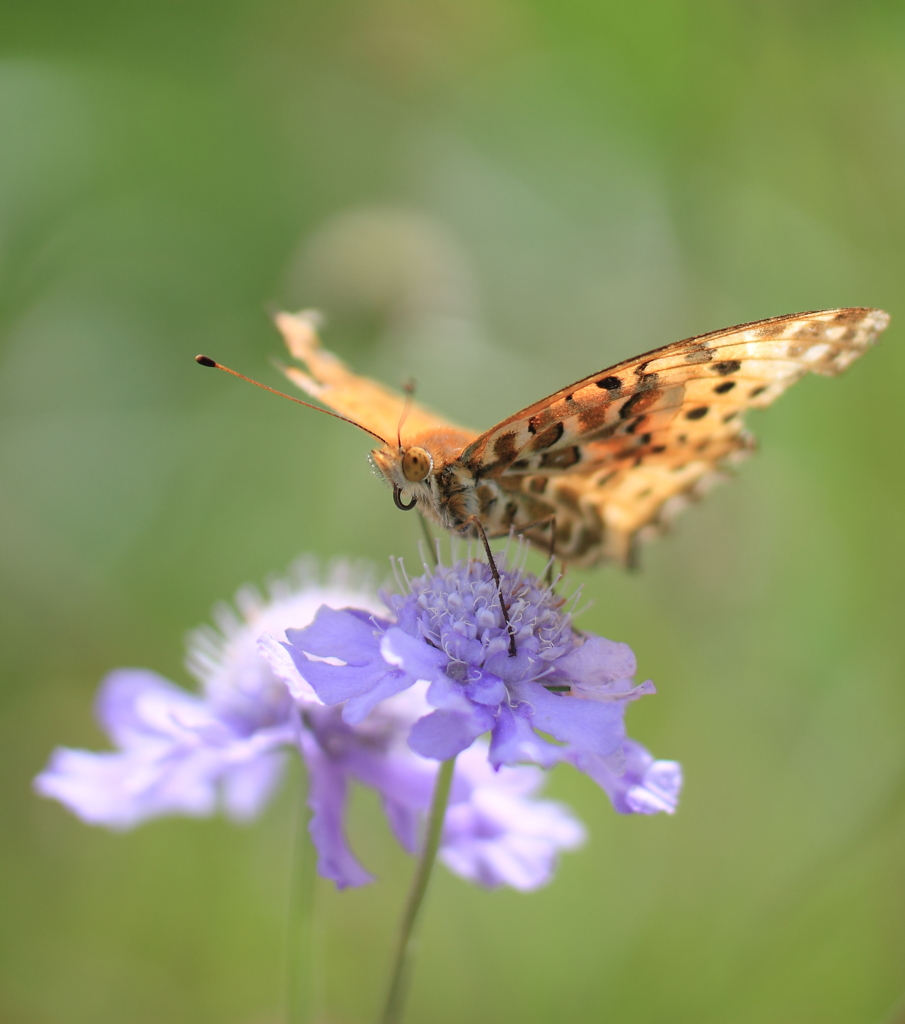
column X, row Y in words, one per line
column 207, row 361
column 409, row 388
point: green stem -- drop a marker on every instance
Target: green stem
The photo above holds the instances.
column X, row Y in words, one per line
column 406, row 944
column 300, row 934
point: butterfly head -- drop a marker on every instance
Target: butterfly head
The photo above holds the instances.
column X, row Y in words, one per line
column 406, row 468
column 424, row 467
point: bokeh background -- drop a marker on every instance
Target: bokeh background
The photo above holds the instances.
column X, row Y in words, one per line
column 494, row 197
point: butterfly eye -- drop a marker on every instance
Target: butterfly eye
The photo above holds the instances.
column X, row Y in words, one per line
column 416, row 464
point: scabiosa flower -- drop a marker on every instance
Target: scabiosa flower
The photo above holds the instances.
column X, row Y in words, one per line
column 448, row 630
column 185, row 753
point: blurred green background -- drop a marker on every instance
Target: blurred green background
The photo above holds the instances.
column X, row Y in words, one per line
column 494, row 197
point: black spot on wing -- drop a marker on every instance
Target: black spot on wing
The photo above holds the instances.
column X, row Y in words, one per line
column 727, row 385
column 500, row 453
column 697, row 414
column 626, row 409
column 758, row 390
column 547, row 437
column 727, row 366
column 610, row 383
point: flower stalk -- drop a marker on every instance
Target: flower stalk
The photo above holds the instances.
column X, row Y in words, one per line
column 407, row 940
column 300, row 945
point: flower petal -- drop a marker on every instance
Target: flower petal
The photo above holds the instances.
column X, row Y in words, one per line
column 588, row 726
column 412, row 655
column 487, row 689
column 357, row 709
column 247, row 787
column 499, row 837
column 514, row 741
column 135, row 704
column 121, row 790
column 645, row 786
column 327, row 800
column 442, row 734
column 338, row 635
column 281, row 663
column 598, row 661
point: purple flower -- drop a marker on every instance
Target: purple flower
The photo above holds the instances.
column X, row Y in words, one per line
column 493, row 833
column 175, row 755
column 184, row 753
column 448, row 632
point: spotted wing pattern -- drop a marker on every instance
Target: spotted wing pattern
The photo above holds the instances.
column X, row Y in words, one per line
column 616, row 454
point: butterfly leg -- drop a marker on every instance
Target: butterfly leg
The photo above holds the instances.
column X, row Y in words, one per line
column 476, row 523
column 548, row 575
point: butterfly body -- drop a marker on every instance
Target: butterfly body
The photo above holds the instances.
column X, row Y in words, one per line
column 604, row 462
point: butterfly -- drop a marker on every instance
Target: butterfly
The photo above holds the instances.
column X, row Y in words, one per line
column 596, row 467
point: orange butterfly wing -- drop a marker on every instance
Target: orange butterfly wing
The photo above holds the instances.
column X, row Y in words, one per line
column 622, row 449
column 375, row 407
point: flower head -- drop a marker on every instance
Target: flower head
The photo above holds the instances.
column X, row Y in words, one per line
column 184, row 753
column 448, row 631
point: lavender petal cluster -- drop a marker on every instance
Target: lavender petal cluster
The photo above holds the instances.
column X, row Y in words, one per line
column 561, row 697
column 178, row 752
